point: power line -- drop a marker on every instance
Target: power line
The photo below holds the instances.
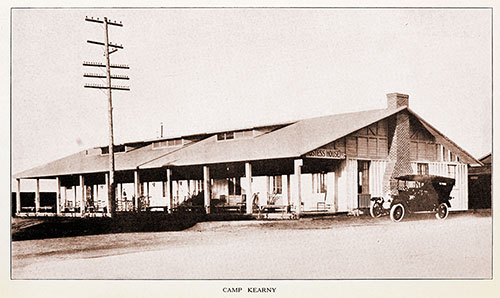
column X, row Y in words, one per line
column 109, row 86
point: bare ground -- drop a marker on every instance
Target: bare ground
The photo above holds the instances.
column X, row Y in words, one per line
column 313, row 248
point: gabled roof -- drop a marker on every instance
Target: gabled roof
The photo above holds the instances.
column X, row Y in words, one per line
column 486, row 159
column 449, row 144
column 82, row 163
column 288, row 141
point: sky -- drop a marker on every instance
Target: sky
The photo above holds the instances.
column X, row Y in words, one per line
column 202, row 70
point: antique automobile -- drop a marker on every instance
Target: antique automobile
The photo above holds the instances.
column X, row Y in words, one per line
column 416, row 193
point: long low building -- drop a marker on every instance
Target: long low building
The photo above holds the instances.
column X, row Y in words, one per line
column 332, row 163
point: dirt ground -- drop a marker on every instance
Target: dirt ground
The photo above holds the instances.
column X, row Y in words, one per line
column 338, row 247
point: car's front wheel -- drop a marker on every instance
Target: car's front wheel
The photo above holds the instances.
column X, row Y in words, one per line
column 397, row 212
column 376, row 209
column 442, row 211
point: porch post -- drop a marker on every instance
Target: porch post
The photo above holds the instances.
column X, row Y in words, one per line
column 168, row 191
column 83, row 193
column 206, row 188
column 18, row 196
column 95, row 195
column 336, row 190
column 106, row 179
column 37, row 196
column 249, row 192
column 120, row 196
column 288, row 192
column 65, row 188
column 137, row 191
column 285, row 189
column 58, row 196
column 298, row 173
column 75, row 198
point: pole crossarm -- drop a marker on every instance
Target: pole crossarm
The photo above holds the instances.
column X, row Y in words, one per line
column 113, row 87
column 103, row 76
column 113, row 45
column 99, row 64
column 96, row 20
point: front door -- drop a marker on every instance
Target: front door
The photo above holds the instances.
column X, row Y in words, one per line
column 364, row 184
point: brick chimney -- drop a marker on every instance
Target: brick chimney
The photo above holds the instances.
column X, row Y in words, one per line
column 398, row 160
column 397, row 100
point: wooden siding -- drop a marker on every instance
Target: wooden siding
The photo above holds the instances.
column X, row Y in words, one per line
column 418, row 132
column 423, row 151
column 377, row 170
column 347, row 197
column 351, row 146
column 423, row 145
column 368, row 142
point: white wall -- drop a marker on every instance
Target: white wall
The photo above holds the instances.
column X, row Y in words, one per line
column 376, row 173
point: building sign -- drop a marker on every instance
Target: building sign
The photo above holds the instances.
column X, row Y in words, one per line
column 326, row 153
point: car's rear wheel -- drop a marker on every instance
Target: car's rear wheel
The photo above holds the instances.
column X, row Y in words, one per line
column 376, row 209
column 397, row 212
column 442, row 211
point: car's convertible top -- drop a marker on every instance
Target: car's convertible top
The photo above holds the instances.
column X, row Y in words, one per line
column 426, row 178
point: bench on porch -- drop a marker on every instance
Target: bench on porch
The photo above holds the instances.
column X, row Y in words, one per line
column 157, row 208
column 272, row 207
column 233, row 203
column 188, row 208
column 323, row 206
column 27, row 209
column 47, row 209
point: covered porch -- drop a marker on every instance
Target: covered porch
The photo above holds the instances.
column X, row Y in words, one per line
column 254, row 187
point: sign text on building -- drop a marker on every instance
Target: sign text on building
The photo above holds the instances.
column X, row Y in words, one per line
column 326, row 153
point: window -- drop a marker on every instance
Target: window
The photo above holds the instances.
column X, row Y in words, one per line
column 422, row 169
column 234, row 186
column 225, row 136
column 318, row 182
column 168, row 143
column 174, row 142
column 243, row 134
column 452, row 171
column 277, row 186
column 118, row 148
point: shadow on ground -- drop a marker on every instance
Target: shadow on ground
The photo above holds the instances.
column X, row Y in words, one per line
column 55, row 227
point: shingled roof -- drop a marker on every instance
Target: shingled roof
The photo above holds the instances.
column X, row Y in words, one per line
column 83, row 162
column 287, row 141
column 290, row 141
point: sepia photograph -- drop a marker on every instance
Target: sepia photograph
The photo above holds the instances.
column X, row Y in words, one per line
column 251, row 143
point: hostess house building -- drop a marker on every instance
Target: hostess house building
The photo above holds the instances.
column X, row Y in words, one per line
column 331, row 164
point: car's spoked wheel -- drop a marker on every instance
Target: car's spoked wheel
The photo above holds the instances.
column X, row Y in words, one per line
column 442, row 211
column 397, row 212
column 376, row 209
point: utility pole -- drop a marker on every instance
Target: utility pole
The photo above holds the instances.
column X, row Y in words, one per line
column 108, row 76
